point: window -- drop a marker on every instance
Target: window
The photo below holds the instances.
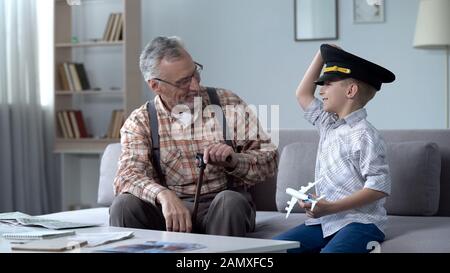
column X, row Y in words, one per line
column 45, row 40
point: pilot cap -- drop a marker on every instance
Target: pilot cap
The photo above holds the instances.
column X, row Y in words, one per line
column 340, row 64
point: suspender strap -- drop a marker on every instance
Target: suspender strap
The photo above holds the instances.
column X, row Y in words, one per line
column 214, row 98
column 154, row 128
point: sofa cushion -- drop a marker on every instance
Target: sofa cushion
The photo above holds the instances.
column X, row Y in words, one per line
column 415, row 173
column 295, row 169
column 273, row 223
column 108, row 169
column 404, row 234
column 417, row 234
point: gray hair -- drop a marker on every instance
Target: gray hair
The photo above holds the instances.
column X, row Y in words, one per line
column 158, row 49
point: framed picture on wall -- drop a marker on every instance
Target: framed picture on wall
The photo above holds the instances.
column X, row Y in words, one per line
column 315, row 20
column 368, row 11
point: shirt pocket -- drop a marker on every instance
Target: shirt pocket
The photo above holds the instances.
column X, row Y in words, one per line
column 172, row 167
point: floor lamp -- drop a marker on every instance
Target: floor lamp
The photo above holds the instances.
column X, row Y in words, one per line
column 433, row 32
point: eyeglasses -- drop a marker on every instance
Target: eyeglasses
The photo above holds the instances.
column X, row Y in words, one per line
column 185, row 82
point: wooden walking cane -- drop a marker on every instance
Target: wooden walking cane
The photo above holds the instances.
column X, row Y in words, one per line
column 202, row 165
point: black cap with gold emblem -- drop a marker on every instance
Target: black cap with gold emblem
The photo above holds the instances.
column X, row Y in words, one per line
column 340, row 64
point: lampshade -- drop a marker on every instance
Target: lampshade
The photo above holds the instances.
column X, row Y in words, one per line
column 433, row 24
column 73, row 2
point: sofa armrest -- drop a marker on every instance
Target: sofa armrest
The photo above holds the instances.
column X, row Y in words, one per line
column 108, row 169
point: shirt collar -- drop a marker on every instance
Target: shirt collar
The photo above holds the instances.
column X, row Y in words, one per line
column 184, row 118
column 356, row 116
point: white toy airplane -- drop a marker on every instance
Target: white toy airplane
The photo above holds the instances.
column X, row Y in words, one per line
column 301, row 195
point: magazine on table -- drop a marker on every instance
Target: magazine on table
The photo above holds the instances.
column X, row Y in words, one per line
column 154, row 247
column 22, row 219
column 100, row 238
column 13, row 215
column 52, row 224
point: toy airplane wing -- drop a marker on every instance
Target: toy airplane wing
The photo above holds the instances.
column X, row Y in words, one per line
column 301, row 195
column 308, row 187
column 296, row 195
column 291, row 204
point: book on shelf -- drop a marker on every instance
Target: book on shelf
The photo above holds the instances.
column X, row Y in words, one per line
column 108, row 27
column 68, row 76
column 62, row 125
column 119, row 30
column 73, row 76
column 68, row 125
column 81, row 125
column 115, row 124
column 85, row 84
column 63, row 77
column 71, row 124
column 114, row 28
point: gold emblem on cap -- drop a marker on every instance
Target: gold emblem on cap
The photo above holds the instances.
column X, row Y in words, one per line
column 338, row 69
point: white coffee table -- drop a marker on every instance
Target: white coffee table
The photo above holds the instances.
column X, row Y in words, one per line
column 213, row 243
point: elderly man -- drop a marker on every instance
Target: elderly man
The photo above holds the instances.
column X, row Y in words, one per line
column 157, row 175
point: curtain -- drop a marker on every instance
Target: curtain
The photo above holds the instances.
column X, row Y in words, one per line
column 27, row 176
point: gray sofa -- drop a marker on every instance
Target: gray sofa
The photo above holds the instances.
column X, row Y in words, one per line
column 418, row 207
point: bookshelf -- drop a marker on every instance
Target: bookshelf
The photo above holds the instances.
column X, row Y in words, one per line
column 111, row 66
column 104, row 62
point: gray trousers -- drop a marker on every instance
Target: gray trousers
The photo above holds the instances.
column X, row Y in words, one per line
column 228, row 213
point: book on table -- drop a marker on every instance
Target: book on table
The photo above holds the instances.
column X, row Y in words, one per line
column 93, row 239
column 37, row 234
column 54, row 245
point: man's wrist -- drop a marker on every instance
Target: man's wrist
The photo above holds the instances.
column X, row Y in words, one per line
column 241, row 167
column 160, row 196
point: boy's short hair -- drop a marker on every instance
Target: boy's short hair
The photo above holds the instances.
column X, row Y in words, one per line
column 366, row 92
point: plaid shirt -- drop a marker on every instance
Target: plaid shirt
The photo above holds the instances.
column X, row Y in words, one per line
column 351, row 156
column 179, row 144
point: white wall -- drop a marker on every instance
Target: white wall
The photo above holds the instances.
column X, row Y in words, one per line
column 248, row 46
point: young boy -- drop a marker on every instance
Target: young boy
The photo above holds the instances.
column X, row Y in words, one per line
column 351, row 164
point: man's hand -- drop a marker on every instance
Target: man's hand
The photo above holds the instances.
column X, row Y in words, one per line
column 220, row 154
column 175, row 213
